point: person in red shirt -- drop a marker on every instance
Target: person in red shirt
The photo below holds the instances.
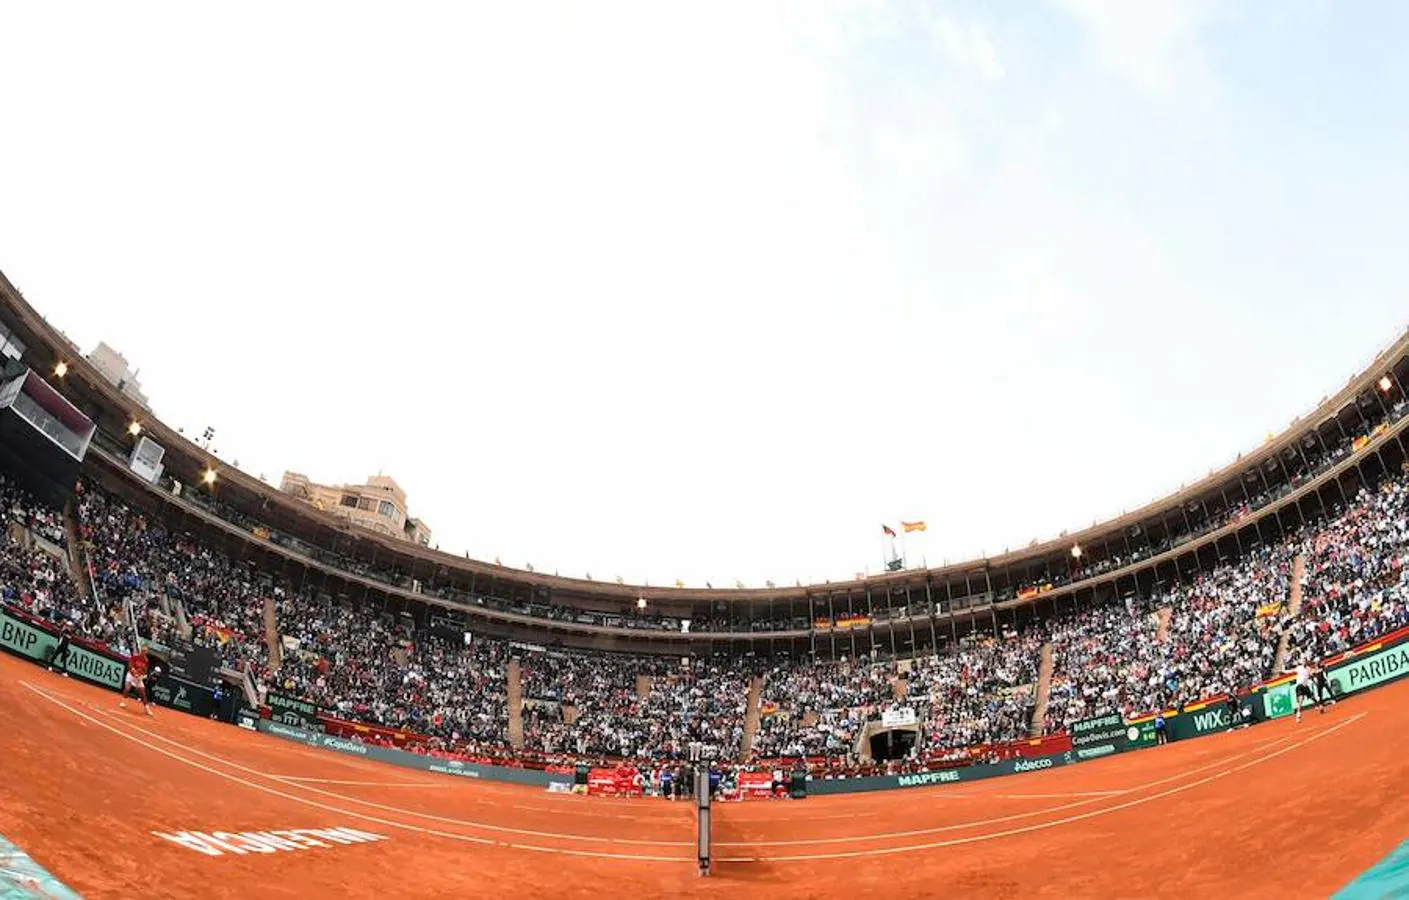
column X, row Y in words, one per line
column 136, row 673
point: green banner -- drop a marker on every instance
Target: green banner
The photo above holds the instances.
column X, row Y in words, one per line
column 1279, row 701
column 1215, row 718
column 96, row 667
column 1369, row 671
column 942, row 776
column 1099, row 736
column 292, row 711
column 1212, row 718
column 1140, row 735
column 37, row 643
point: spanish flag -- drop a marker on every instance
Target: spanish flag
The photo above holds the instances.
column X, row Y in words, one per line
column 912, row 526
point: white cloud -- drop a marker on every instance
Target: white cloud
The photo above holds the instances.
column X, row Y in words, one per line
column 1151, row 43
column 968, row 47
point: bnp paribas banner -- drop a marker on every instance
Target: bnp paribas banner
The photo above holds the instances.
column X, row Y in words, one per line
column 1371, row 670
column 37, row 643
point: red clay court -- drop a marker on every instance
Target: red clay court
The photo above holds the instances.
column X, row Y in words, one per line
column 1279, row 810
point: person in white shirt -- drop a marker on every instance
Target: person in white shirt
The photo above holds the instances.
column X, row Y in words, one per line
column 1303, row 686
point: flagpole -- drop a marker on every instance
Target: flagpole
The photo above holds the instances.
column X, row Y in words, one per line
column 904, row 557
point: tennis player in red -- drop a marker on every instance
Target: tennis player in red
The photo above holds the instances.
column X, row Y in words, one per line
column 136, row 674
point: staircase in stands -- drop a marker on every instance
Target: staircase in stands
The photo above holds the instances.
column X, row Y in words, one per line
column 1044, row 689
column 515, row 691
column 1294, row 608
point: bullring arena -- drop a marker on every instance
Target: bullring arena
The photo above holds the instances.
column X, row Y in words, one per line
column 1204, row 697
column 90, row 789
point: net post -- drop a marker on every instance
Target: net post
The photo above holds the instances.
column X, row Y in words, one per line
column 703, row 817
column 700, row 772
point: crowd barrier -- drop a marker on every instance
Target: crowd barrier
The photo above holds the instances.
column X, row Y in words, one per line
column 406, row 759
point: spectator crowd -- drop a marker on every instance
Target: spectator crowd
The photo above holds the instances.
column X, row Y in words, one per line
column 1224, row 629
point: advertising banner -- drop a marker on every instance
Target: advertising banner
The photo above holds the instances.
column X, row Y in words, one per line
column 187, row 696
column 37, row 643
column 1098, row 736
column 410, row 760
column 288, row 710
column 621, row 782
column 1214, row 718
column 756, row 785
column 1140, row 734
column 942, row 776
column 1279, row 701
column 1380, row 667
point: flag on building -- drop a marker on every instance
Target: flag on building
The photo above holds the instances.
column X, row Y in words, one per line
column 888, row 531
column 912, row 526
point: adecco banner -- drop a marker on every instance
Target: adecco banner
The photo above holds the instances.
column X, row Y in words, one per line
column 413, row 760
column 943, row 776
column 37, row 643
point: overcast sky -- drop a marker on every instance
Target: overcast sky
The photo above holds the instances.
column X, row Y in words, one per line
column 712, row 290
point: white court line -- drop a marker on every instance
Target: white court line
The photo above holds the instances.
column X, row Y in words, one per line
column 742, row 859
column 1066, row 796
column 1012, row 817
column 346, row 812
column 409, row 784
column 467, row 823
column 1043, row 826
column 960, row 826
column 598, row 815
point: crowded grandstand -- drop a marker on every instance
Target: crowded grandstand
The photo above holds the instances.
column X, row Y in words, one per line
column 1298, row 556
